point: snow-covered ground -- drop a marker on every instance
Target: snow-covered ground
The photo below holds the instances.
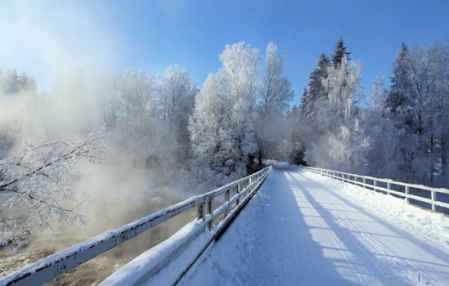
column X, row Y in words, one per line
column 305, row 229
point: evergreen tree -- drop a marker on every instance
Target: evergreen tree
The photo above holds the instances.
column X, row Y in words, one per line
column 398, row 98
column 316, row 89
column 340, row 52
column 416, row 107
column 304, row 100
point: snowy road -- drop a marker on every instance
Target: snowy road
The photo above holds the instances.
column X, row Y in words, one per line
column 305, row 229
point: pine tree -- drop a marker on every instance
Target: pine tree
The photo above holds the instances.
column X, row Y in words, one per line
column 316, row 89
column 405, row 107
column 400, row 83
column 340, row 52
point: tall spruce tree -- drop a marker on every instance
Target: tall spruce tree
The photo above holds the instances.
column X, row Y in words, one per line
column 400, row 83
column 316, row 89
column 340, row 52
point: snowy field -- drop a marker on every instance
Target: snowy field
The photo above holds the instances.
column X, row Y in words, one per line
column 305, row 229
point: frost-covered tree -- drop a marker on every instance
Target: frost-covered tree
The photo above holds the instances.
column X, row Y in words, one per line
column 276, row 91
column 399, row 99
column 176, row 99
column 314, row 107
column 416, row 104
column 342, row 86
column 274, row 98
column 316, row 91
column 148, row 118
column 379, row 93
column 13, row 83
column 37, row 181
column 133, row 98
column 207, row 132
column 239, row 79
column 331, row 120
column 224, row 109
column 128, row 113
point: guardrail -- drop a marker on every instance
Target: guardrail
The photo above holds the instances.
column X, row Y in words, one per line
column 234, row 197
column 412, row 193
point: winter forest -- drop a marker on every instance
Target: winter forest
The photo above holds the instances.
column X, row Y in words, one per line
column 97, row 151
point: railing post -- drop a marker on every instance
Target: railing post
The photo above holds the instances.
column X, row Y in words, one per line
column 406, row 193
column 227, row 198
column 375, row 185
column 433, row 195
column 209, row 211
column 201, row 211
column 238, row 194
column 388, row 188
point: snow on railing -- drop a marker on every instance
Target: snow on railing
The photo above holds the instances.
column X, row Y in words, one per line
column 236, row 195
column 435, row 198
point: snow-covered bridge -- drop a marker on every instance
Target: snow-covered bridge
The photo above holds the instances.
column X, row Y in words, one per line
column 298, row 228
column 305, row 229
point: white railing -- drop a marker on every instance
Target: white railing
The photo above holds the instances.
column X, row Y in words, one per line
column 230, row 199
column 410, row 192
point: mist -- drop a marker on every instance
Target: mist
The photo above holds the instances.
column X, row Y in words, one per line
column 71, row 96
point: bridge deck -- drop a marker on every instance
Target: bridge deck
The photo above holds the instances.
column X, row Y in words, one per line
column 305, row 229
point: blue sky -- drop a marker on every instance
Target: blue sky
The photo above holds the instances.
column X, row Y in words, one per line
column 149, row 35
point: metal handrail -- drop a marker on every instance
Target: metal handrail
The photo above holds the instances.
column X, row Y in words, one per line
column 48, row 268
column 373, row 183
